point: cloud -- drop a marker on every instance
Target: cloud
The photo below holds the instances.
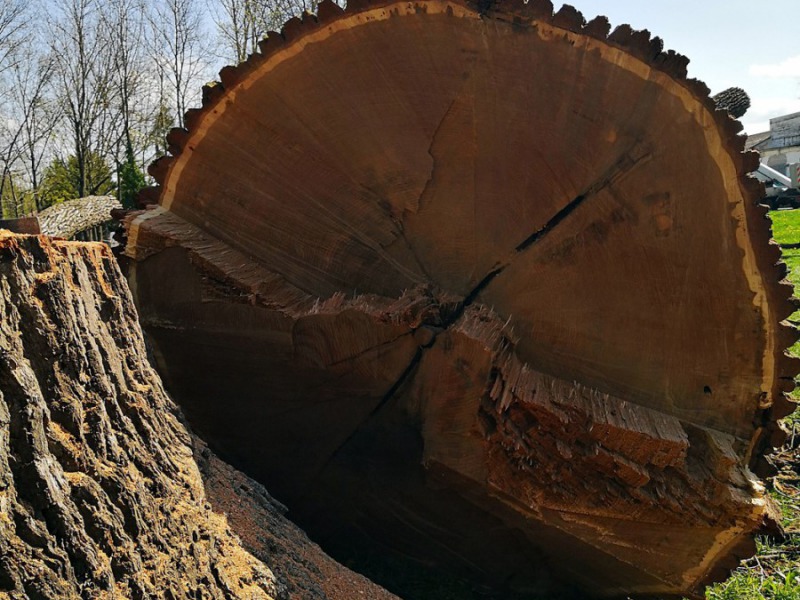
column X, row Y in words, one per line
column 787, row 68
column 774, row 107
column 763, row 109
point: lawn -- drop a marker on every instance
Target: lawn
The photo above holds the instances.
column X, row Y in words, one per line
column 774, row 573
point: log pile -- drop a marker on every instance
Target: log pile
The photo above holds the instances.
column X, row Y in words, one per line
column 482, row 286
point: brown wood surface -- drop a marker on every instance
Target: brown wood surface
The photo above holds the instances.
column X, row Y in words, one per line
column 488, row 289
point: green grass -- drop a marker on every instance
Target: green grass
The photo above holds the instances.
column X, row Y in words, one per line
column 774, row 573
column 750, row 585
column 786, row 231
column 785, row 226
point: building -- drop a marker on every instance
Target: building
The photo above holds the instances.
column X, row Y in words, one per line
column 780, row 146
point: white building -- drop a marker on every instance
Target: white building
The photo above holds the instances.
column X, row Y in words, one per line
column 780, row 146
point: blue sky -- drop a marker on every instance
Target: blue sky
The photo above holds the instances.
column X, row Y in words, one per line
column 753, row 45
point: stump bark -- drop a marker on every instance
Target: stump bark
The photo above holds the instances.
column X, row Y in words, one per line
column 485, row 287
column 100, row 496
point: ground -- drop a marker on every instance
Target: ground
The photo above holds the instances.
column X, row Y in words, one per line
column 774, row 573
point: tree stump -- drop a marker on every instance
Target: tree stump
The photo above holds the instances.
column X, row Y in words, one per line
column 99, row 494
column 481, row 286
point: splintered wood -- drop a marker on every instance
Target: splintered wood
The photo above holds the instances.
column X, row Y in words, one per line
column 487, row 290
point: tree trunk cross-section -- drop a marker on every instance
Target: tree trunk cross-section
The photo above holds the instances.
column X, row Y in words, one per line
column 486, row 287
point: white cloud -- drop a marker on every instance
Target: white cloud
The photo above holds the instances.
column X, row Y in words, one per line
column 787, row 68
column 765, row 108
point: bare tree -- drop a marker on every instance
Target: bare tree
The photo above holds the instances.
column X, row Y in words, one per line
column 22, row 83
column 180, row 49
column 15, row 17
column 30, row 128
column 283, row 10
column 241, row 24
column 124, row 23
column 84, row 74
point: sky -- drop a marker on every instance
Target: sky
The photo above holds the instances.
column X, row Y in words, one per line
column 729, row 43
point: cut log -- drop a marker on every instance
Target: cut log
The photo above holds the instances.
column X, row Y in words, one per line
column 482, row 287
column 73, row 217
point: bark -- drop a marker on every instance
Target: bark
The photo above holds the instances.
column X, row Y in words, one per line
column 101, row 496
column 482, row 286
column 735, row 100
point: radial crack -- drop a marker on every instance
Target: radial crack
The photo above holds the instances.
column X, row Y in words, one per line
column 621, row 167
column 618, row 169
column 387, row 397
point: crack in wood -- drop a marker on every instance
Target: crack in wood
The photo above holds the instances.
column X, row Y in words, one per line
column 621, row 167
column 387, row 397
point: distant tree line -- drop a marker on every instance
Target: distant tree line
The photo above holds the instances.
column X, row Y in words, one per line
column 90, row 88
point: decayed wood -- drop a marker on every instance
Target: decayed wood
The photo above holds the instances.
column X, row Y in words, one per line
column 483, row 286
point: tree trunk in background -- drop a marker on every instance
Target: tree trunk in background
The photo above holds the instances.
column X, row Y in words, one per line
column 735, row 100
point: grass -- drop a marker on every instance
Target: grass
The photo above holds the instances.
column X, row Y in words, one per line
column 749, row 585
column 786, row 231
column 774, row 573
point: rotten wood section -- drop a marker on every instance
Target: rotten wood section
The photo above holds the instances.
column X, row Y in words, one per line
column 483, row 287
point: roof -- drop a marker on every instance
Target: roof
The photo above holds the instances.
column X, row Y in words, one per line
column 754, row 141
column 66, row 219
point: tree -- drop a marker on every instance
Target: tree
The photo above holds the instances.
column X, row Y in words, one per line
column 63, row 179
column 16, row 67
column 84, row 73
column 35, row 118
column 180, row 51
column 134, row 82
column 16, row 199
column 130, row 179
column 241, row 24
column 14, row 21
column 160, row 126
column 283, row 10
